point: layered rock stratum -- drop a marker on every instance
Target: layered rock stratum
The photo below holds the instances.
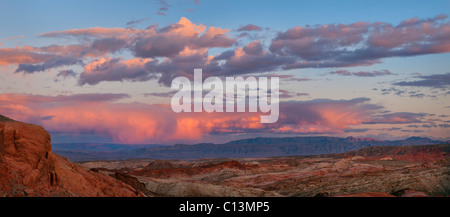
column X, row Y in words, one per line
column 405, row 171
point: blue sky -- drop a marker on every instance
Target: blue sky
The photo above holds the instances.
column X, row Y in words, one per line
column 30, row 17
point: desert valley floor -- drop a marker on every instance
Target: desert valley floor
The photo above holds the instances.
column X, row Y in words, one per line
column 374, row 171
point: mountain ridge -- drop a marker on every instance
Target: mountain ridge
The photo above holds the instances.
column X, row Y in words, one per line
column 252, row 147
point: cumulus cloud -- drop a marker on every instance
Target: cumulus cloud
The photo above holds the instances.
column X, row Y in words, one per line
column 444, row 125
column 164, row 7
column 102, row 115
column 178, row 48
column 26, row 99
column 290, row 94
column 48, row 64
column 319, row 42
column 66, row 73
column 31, row 59
column 397, row 118
column 115, row 69
column 251, row 58
column 179, row 44
column 22, row 55
column 90, row 33
column 108, row 45
column 132, row 23
column 171, row 40
column 181, row 65
column 362, row 43
column 161, row 94
column 249, row 27
column 362, row 73
column 434, row 81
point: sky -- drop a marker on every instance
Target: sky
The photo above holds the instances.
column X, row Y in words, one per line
column 100, row 71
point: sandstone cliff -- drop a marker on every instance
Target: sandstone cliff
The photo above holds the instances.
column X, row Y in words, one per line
column 28, row 167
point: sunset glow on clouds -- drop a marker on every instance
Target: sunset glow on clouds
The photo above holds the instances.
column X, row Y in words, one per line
column 139, row 123
column 364, row 77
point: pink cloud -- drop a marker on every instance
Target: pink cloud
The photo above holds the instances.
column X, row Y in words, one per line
column 214, row 37
column 176, row 49
column 94, row 32
column 19, row 55
column 100, row 114
column 171, row 40
column 99, row 42
column 362, row 43
column 114, row 69
column 410, row 31
column 249, row 27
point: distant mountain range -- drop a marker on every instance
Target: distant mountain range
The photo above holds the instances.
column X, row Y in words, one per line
column 244, row 148
column 98, row 147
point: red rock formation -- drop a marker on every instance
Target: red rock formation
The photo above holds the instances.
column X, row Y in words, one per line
column 415, row 153
column 132, row 181
column 160, row 164
column 409, row 193
column 28, row 167
column 189, row 171
column 366, row 194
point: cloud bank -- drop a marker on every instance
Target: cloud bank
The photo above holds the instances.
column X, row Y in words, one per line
column 103, row 115
column 174, row 50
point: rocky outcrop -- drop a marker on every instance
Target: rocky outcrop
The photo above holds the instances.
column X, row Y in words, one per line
column 133, row 182
column 366, row 194
column 177, row 188
column 415, row 153
column 28, row 167
column 160, row 164
column 173, row 171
